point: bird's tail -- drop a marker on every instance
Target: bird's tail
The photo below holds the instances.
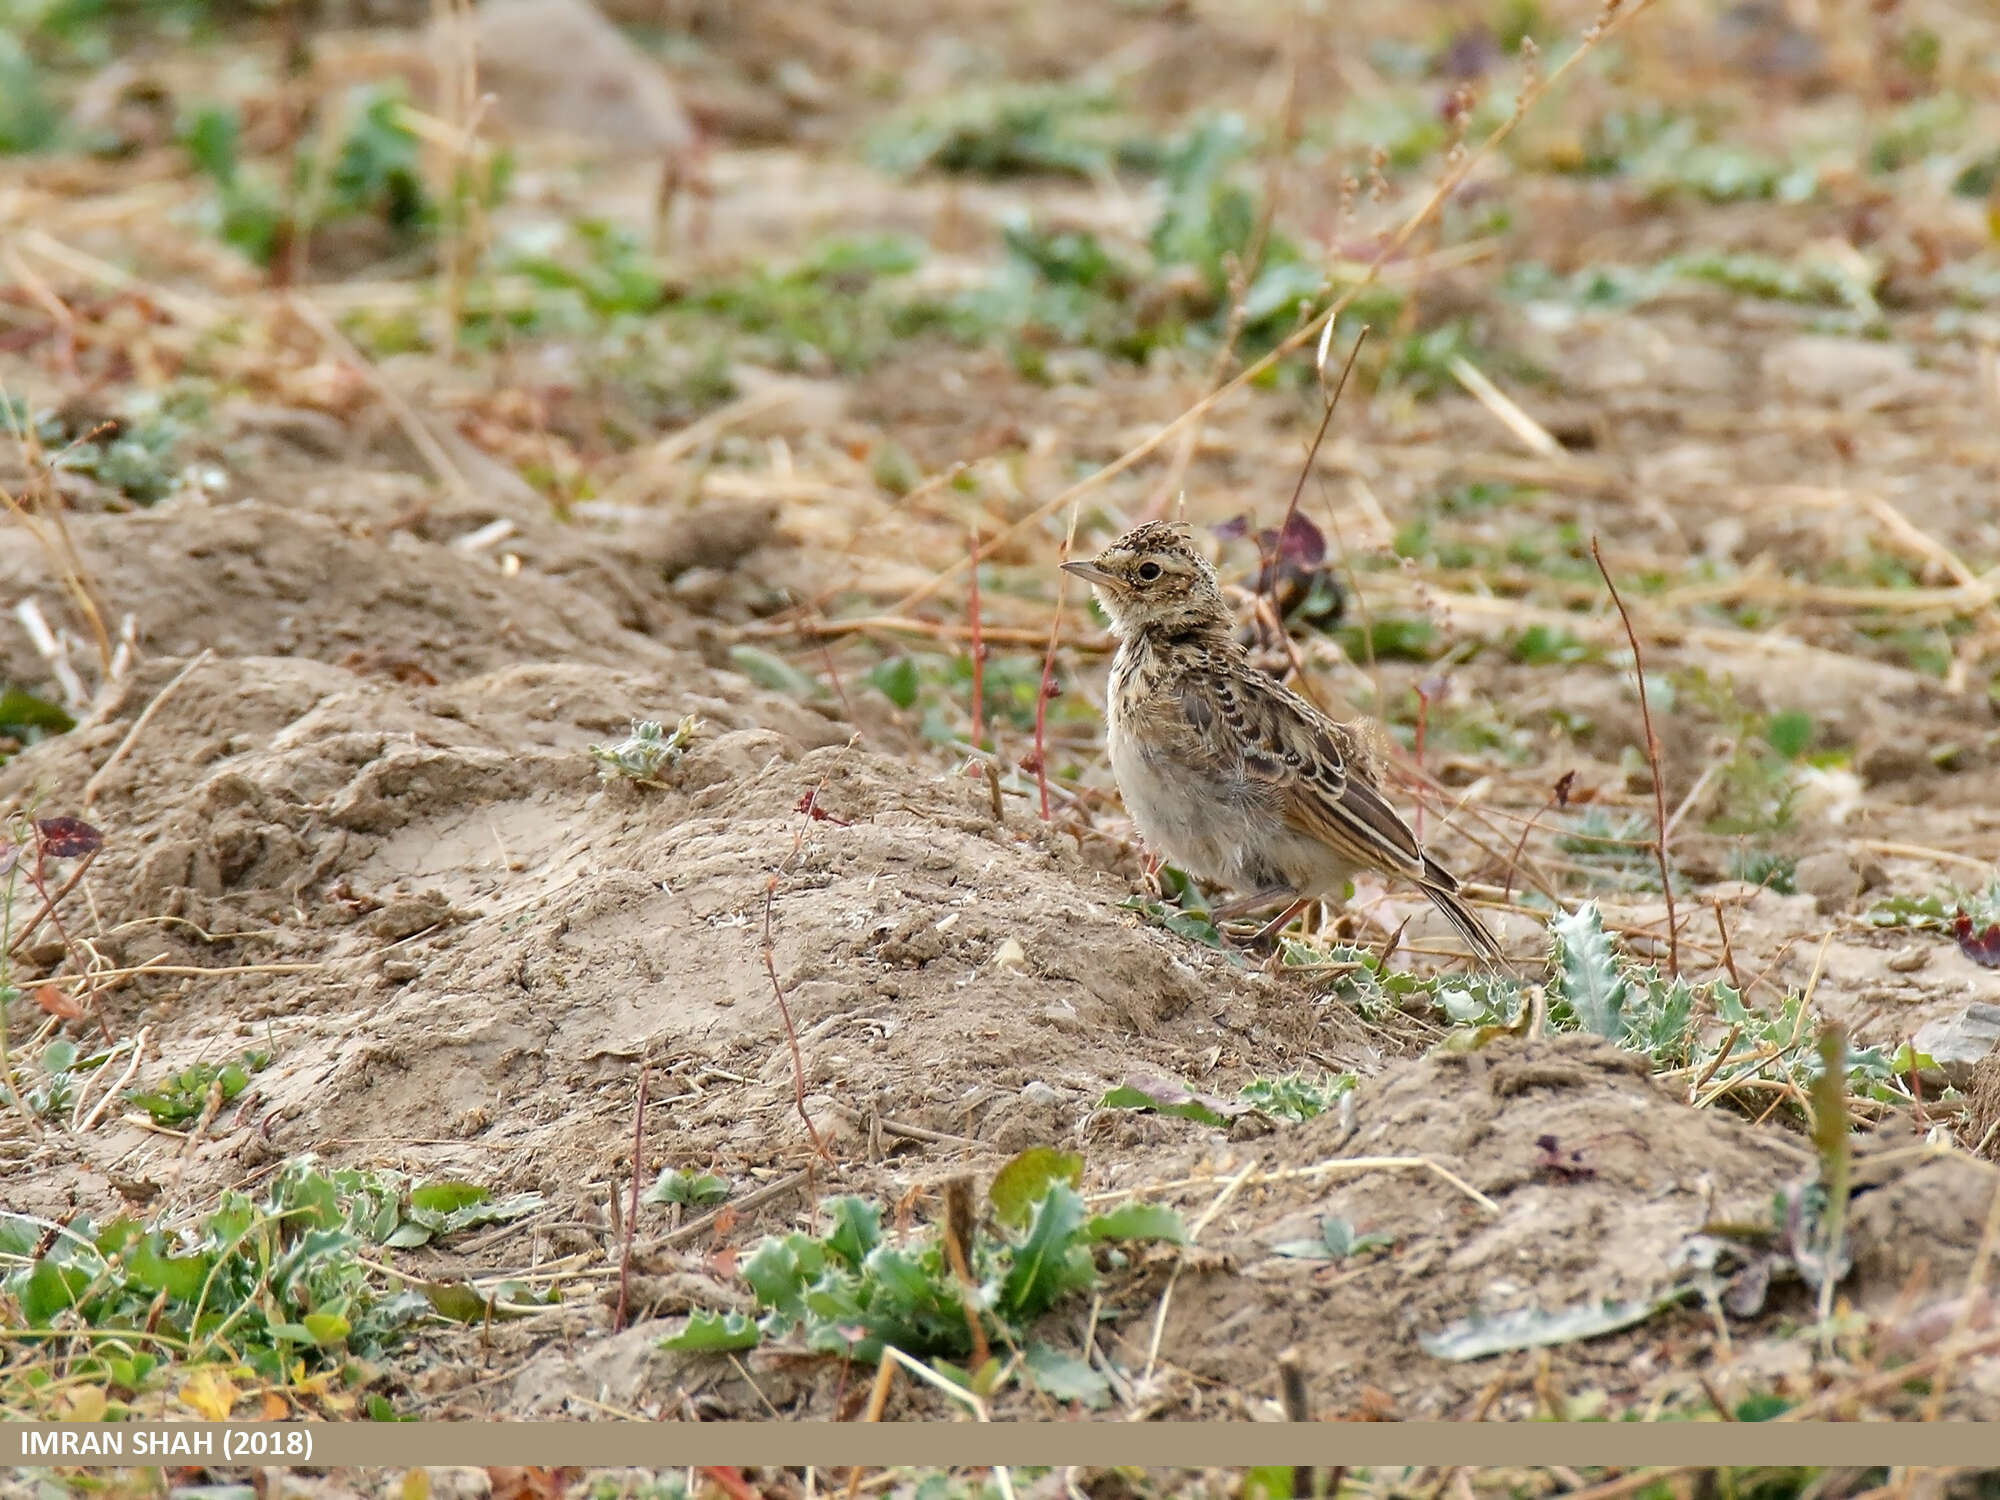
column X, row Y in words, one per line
column 1442, row 888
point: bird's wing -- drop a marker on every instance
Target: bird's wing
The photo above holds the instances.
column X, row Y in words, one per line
column 1316, row 770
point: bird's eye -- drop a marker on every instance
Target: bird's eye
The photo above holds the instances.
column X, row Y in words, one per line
column 1148, row 571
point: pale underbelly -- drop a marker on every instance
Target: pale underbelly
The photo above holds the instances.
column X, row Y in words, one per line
column 1220, row 829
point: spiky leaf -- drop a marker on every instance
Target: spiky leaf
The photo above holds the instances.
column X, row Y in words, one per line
column 1591, row 981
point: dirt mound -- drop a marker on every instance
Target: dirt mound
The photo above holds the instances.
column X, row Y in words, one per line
column 358, row 590
column 423, row 900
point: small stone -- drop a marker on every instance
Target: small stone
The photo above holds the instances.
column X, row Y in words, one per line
column 1829, row 877
column 1847, row 371
column 1892, row 761
column 1037, row 1092
column 1959, row 1043
column 401, row 970
column 1907, row 960
column 1010, row 955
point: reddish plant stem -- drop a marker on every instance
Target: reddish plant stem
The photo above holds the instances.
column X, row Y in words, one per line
column 1652, row 761
column 1728, row 949
column 791, row 1032
column 48, row 902
column 729, row 1479
column 1269, row 574
column 632, row 1211
column 839, row 687
column 978, row 654
column 1047, row 690
column 1560, row 794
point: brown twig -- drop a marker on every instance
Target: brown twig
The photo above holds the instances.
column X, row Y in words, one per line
column 1728, row 949
column 1270, row 572
column 632, row 1211
column 791, row 1032
column 958, row 1230
column 1297, row 1402
column 978, row 651
column 833, row 673
column 1558, row 794
column 1047, row 687
column 139, row 724
column 736, row 1208
column 1652, row 761
column 49, row 903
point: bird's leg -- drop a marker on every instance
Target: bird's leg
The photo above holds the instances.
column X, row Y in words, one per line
column 1283, row 919
column 673, row 178
column 1255, row 901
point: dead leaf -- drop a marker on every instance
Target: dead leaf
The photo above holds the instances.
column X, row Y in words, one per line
column 1981, row 945
column 65, row 838
column 56, row 1003
column 210, row 1393
column 86, row 1403
column 529, row 1482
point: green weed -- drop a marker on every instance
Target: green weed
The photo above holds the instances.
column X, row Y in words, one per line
column 270, row 1290
column 1010, row 130
column 647, row 753
column 852, row 1290
column 1295, row 1097
column 372, row 173
column 182, row 1098
column 26, row 719
column 29, row 118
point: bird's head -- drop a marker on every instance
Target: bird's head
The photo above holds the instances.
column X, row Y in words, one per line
column 1151, row 578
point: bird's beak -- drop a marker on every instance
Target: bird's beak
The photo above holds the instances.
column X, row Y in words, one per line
column 1089, row 572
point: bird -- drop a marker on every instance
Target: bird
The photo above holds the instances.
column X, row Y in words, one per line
column 1225, row 771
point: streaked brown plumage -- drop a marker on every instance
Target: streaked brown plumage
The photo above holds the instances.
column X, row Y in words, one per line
column 1227, row 772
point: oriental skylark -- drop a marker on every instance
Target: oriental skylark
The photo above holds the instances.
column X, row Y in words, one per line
column 1227, row 772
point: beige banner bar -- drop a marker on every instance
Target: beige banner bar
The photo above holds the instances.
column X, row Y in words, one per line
column 1152, row 1444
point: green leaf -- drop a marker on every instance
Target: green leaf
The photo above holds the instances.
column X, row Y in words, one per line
column 51, row 1289
column 1270, row 1481
column 18, row 1236
column 1790, row 733
column 1337, row 1241
column 780, row 1269
column 58, row 1056
column 1295, row 1097
column 211, row 141
column 1762, row 1408
column 1532, row 1328
column 857, row 1229
column 1590, row 978
column 1052, row 1260
column 457, row 1300
column 481, row 1210
column 179, row 1276
column 1065, row 1377
column 443, row 1198
column 1165, row 1097
column 114, row 1238
column 771, row 671
column 327, row 1328
column 1138, row 1221
column 896, row 680
column 713, row 1333
column 1025, row 1180
column 407, row 1236
column 695, row 1190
